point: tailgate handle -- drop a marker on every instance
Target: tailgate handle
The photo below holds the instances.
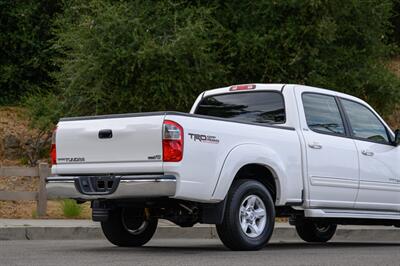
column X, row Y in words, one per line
column 105, row 134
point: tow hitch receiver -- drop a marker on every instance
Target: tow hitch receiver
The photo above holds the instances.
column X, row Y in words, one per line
column 97, row 185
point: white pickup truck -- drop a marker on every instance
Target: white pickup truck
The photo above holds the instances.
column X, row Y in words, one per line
column 244, row 155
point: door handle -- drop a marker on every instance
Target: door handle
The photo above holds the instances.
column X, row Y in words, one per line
column 315, row 146
column 367, row 153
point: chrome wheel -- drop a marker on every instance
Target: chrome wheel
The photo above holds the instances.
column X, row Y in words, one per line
column 249, row 216
column 252, row 216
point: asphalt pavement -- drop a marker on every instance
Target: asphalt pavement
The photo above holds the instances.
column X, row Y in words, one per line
column 178, row 252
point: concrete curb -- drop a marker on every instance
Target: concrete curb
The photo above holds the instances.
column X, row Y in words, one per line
column 282, row 232
column 80, row 233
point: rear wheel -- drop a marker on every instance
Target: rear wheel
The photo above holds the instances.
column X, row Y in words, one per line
column 129, row 227
column 315, row 231
column 249, row 216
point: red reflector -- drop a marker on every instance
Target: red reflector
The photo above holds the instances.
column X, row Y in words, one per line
column 53, row 151
column 172, row 141
column 243, row 87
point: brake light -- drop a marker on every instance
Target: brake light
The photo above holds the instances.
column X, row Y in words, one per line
column 243, row 87
column 172, row 141
column 53, row 152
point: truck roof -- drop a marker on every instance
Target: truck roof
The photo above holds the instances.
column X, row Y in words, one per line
column 278, row 87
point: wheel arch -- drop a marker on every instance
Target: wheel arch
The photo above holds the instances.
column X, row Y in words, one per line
column 263, row 174
column 252, row 161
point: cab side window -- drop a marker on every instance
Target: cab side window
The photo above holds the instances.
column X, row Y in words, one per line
column 322, row 114
column 364, row 123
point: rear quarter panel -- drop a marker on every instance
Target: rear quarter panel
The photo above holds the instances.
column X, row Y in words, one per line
column 208, row 168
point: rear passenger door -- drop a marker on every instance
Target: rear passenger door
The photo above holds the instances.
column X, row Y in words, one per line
column 331, row 156
column 379, row 168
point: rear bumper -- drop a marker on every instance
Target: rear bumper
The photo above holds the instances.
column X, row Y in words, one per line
column 125, row 187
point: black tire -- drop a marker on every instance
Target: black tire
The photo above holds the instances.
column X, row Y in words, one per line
column 129, row 227
column 230, row 231
column 315, row 232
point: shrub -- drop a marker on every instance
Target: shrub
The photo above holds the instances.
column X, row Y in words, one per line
column 337, row 44
column 135, row 56
column 44, row 111
column 25, row 54
column 70, row 208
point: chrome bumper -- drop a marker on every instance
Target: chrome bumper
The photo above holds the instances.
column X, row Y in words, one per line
column 125, row 187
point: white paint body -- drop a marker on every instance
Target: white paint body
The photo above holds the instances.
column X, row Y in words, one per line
column 337, row 176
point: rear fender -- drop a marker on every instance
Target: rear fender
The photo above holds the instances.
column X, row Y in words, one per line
column 244, row 154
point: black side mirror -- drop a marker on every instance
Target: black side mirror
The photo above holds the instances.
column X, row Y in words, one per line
column 397, row 137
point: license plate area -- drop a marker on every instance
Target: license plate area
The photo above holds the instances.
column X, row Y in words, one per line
column 97, row 185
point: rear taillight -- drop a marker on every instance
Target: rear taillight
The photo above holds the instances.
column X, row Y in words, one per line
column 172, row 141
column 53, row 153
column 243, row 87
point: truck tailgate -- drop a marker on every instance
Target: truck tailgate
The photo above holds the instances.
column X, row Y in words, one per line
column 111, row 140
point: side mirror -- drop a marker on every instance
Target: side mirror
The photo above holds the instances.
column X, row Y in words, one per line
column 397, row 137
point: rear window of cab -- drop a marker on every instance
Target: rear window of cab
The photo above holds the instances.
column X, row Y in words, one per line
column 264, row 107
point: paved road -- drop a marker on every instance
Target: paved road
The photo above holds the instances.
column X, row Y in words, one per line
column 194, row 252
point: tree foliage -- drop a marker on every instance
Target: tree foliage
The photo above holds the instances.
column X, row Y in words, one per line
column 136, row 56
column 337, row 44
column 133, row 56
column 25, row 57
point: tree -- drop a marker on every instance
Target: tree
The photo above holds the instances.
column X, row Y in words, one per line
column 134, row 56
column 25, row 57
column 339, row 45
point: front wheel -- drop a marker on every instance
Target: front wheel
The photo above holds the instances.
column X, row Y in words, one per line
column 315, row 232
column 249, row 216
column 129, row 227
